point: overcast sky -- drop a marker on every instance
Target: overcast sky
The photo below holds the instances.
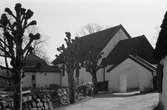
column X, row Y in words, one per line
column 55, row 17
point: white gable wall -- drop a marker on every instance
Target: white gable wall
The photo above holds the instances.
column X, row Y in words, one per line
column 65, row 80
column 136, row 75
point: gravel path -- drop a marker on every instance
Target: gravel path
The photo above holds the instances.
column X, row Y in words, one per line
column 117, row 102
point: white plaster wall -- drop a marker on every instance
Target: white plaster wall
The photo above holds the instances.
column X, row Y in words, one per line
column 84, row 77
column 45, row 79
column 137, row 76
column 107, row 74
column 100, row 75
column 42, row 79
column 27, row 80
column 65, row 80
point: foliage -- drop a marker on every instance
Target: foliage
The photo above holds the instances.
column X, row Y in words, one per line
column 12, row 47
column 38, row 45
column 90, row 28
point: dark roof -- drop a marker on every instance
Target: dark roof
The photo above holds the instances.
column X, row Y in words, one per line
column 96, row 41
column 32, row 59
column 138, row 46
column 99, row 40
column 42, row 68
column 36, row 64
column 58, row 60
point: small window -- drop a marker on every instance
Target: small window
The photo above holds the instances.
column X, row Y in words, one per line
column 33, row 77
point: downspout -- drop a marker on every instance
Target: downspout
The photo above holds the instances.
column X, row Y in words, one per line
column 154, row 80
column 104, row 74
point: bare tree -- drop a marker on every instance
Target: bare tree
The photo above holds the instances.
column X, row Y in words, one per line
column 90, row 63
column 69, row 55
column 38, row 45
column 90, row 28
column 13, row 48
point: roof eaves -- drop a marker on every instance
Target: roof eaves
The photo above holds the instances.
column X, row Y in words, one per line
column 143, row 62
column 42, row 68
column 117, row 27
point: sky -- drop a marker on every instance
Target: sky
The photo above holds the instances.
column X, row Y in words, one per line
column 55, row 17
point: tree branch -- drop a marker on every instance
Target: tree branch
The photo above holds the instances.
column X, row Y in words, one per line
column 6, row 27
column 27, row 46
column 5, row 52
column 4, row 43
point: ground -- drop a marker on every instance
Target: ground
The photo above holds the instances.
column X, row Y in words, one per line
column 117, row 102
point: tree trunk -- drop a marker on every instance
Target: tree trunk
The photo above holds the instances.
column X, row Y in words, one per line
column 71, row 85
column 17, row 94
column 18, row 90
column 77, row 76
column 18, row 70
column 94, row 80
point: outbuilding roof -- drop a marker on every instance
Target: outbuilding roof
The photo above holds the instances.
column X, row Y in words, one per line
column 36, row 64
column 140, row 61
column 138, row 46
